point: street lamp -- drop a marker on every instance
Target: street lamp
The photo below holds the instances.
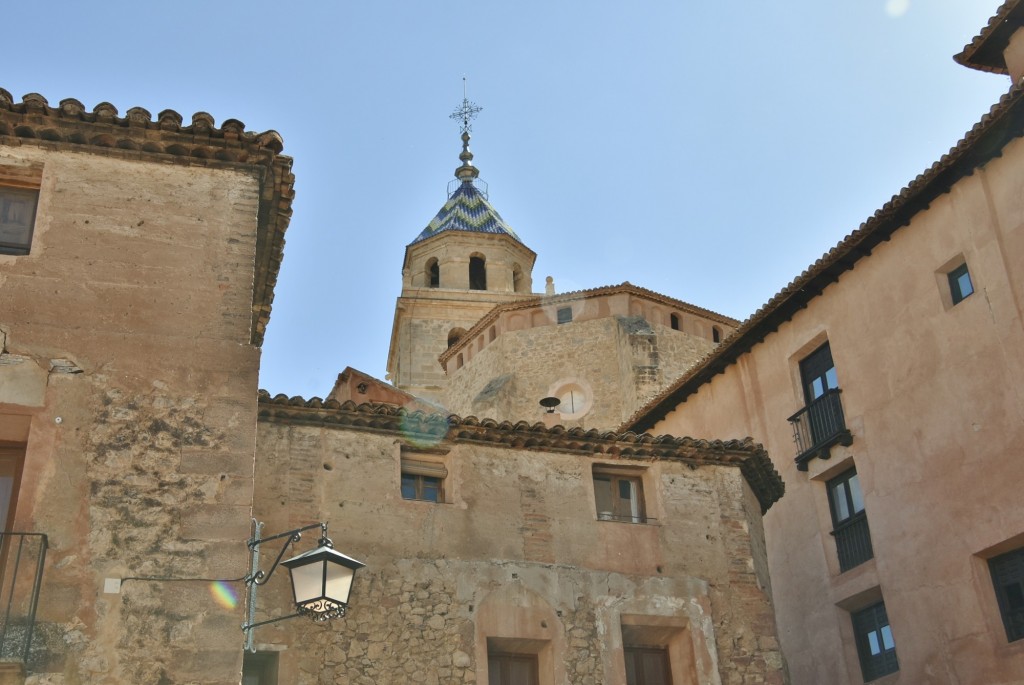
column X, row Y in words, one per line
column 321, row 578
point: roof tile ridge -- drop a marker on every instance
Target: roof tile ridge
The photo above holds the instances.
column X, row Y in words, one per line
column 964, row 56
column 168, row 120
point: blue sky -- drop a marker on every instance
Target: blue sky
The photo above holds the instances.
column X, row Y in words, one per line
column 709, row 151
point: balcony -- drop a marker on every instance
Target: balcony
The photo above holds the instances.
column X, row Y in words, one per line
column 22, row 556
column 853, row 541
column 819, row 426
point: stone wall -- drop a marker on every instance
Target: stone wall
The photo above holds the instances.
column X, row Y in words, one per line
column 513, row 559
column 619, row 361
column 138, row 442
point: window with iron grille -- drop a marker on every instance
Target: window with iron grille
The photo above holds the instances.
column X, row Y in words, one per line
column 821, row 423
column 875, row 645
column 849, row 522
column 619, row 497
column 1008, row 578
column 564, row 315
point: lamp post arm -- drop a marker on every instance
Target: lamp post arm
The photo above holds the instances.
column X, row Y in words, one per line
column 250, row 626
column 261, row 578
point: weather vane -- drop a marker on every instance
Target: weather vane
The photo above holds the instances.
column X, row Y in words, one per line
column 467, row 111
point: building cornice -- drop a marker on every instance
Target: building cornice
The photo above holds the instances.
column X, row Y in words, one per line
column 70, row 127
column 984, row 142
column 420, row 427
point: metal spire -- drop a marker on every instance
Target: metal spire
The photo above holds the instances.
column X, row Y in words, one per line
column 466, row 112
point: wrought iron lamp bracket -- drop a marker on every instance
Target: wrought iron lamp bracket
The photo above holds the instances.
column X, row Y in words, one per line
column 258, row 577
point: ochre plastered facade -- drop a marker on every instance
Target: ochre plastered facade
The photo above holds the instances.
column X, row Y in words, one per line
column 930, row 391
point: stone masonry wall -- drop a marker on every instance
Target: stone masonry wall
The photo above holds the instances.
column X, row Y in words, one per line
column 139, row 463
column 621, row 361
column 514, row 556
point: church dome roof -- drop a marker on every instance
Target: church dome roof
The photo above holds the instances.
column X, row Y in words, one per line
column 467, row 209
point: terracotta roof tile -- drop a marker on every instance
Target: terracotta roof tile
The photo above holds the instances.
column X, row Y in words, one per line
column 985, row 52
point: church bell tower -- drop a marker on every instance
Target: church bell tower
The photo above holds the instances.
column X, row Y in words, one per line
column 466, row 261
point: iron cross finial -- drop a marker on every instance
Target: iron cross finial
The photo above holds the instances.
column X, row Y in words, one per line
column 467, row 111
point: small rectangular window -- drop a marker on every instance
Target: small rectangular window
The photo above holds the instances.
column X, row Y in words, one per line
column 875, row 645
column 960, row 285
column 619, row 497
column 423, row 480
column 1008, row 578
column 565, row 315
column 17, row 219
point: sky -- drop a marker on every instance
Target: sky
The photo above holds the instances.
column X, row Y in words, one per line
column 710, row 151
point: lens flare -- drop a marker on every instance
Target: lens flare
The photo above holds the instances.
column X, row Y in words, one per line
column 897, row 8
column 224, row 594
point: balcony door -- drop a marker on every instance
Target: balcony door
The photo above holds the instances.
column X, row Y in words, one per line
column 818, row 373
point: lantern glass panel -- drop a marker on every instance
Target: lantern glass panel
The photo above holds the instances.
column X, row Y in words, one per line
column 339, row 582
column 308, row 581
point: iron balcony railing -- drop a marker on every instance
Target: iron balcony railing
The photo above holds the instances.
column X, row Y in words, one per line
column 853, row 541
column 819, row 426
column 22, row 556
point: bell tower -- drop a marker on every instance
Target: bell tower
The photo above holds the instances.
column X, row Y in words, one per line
column 466, row 261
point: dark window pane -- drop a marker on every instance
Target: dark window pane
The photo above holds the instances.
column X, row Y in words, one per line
column 565, row 315
column 408, row 487
column 960, row 285
column 875, row 644
column 1008, row 578
column 647, row 666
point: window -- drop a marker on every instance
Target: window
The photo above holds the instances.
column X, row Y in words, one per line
column 820, row 424
column 875, row 646
column 1008, row 578
column 423, row 479
column 17, row 219
column 619, row 496
column 259, row 668
column 818, row 373
column 565, row 315
column 477, row 274
column 433, row 274
column 960, row 286
column 647, row 666
column 716, row 334
column 518, row 284
column 673, row 321
column 512, row 669
column 455, row 335
column 849, row 522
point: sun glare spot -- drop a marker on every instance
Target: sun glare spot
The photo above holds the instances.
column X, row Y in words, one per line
column 897, row 8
